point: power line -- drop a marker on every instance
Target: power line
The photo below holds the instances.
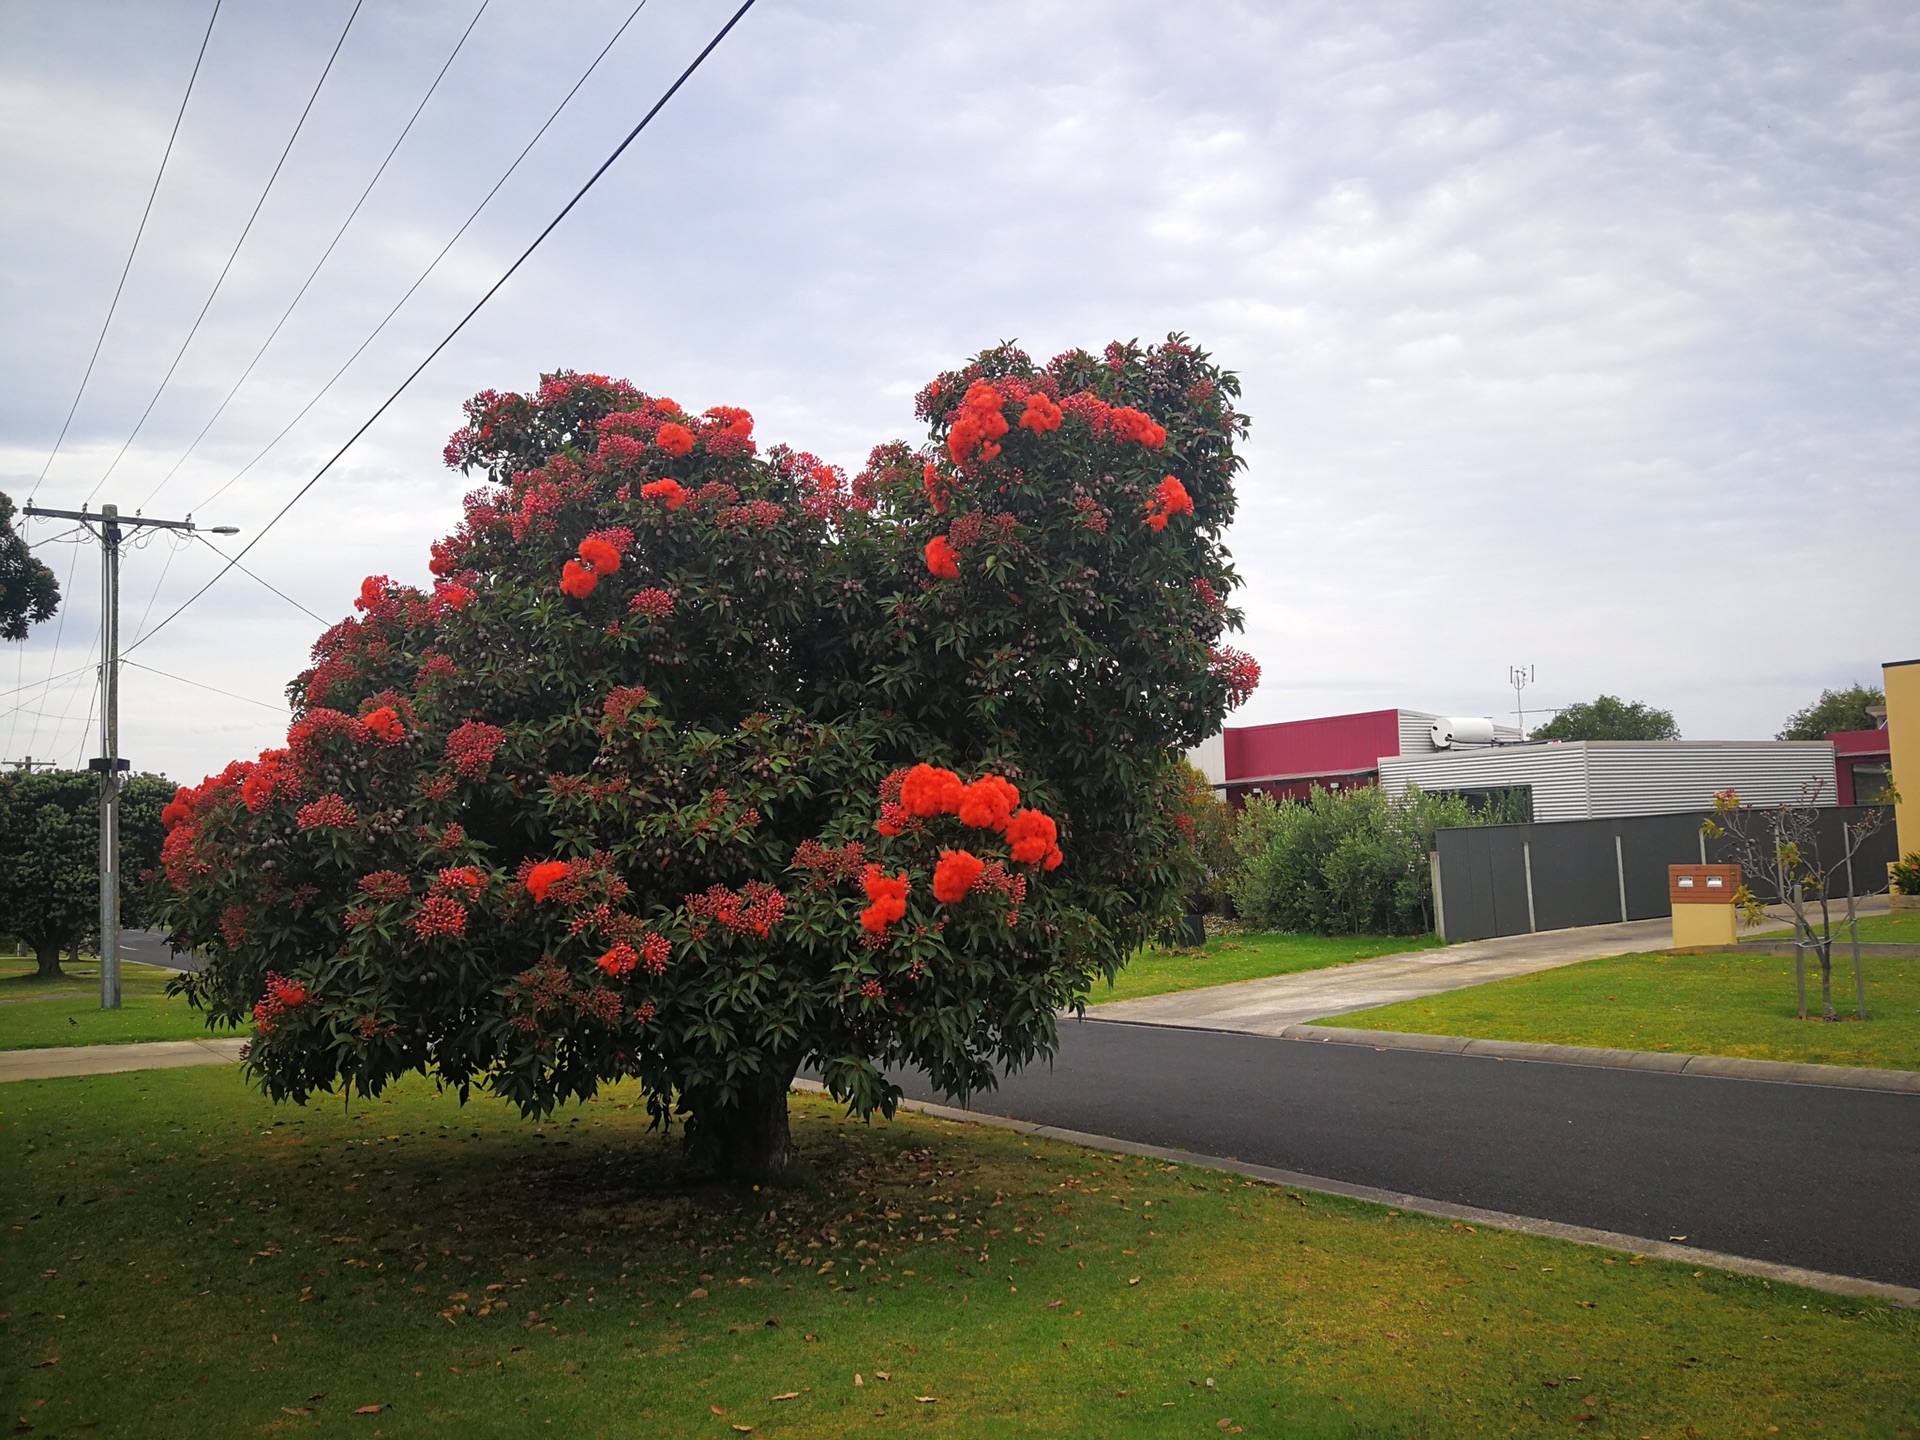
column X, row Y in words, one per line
column 114, row 305
column 432, row 265
column 203, row 686
column 232, row 255
column 331, row 244
column 235, row 563
column 492, row 290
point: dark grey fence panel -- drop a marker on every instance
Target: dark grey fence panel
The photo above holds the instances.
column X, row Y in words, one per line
column 1577, row 870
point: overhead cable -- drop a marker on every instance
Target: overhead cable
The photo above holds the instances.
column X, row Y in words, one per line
column 114, row 305
column 299, row 294
column 232, row 255
column 492, row 290
column 432, row 264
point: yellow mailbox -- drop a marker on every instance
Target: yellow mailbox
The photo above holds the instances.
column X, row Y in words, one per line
column 1703, row 908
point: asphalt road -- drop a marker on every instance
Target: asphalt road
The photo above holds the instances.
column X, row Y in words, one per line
column 1813, row 1176
column 150, row 947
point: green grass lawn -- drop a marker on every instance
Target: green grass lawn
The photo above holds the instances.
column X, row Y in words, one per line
column 182, row 1259
column 1689, row 1004
column 1227, row 958
column 36, row 1013
column 1901, row 929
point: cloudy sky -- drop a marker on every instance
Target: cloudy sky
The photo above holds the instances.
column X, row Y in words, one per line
column 1577, row 335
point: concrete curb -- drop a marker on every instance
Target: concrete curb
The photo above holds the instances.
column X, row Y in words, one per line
column 67, row 1061
column 1901, row 1295
column 1723, row 1067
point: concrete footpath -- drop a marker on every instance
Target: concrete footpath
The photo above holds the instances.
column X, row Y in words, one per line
column 66, row 1060
column 1272, row 1005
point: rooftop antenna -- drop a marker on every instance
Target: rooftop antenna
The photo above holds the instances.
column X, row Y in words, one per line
column 1520, row 676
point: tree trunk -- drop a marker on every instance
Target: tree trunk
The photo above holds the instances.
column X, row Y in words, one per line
column 748, row 1140
column 1826, row 982
column 48, row 957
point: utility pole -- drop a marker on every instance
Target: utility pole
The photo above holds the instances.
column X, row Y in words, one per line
column 107, row 523
column 26, row 765
column 1520, row 676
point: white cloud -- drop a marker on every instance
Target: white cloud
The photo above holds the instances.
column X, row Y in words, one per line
column 1581, row 335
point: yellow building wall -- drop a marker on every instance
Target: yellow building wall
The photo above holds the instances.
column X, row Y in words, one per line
column 1902, row 682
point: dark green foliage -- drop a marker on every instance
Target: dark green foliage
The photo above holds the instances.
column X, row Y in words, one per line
column 1834, row 710
column 1609, row 718
column 29, row 593
column 1345, row 862
column 50, row 856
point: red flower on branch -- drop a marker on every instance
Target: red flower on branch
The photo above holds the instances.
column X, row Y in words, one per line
column 988, row 803
column 1239, row 669
column 472, row 747
column 329, row 812
column 978, row 426
column 928, row 790
column 440, row 915
column 676, row 440
column 653, row 602
column 384, row 724
column 543, row 877
column 1170, row 498
column 941, row 560
column 953, row 877
column 670, row 493
column 577, row 579
column 1030, row 835
column 1126, row 423
column 600, row 555
column 888, row 897
column 1041, row 415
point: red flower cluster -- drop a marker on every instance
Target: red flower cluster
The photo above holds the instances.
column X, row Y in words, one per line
column 269, row 778
column 448, row 596
column 600, row 555
column 623, row 958
column 928, row 790
column 577, row 579
column 1033, row 838
column 440, row 915
column 755, row 910
column 1170, row 498
column 988, row 803
column 385, row 725
column 386, row 886
column 941, row 561
column 887, row 895
column 472, row 746
column 543, row 877
column 282, row 995
column 433, row 667
column 670, row 493
column 329, row 812
column 828, row 864
column 1126, row 423
column 653, row 602
column 622, row 701
column 463, row 878
column 938, row 491
column 676, row 440
column 1241, row 672
column 953, row 877
column 978, row 426
column 1041, row 415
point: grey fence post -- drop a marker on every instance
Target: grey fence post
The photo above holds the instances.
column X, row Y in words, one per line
column 1526, row 858
column 1620, row 869
column 1439, row 901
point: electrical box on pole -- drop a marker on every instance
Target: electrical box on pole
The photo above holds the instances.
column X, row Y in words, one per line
column 108, row 525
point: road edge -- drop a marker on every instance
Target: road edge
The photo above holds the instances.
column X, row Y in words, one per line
column 1903, row 1296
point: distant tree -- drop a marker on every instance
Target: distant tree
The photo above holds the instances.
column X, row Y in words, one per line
column 50, row 856
column 1835, row 710
column 28, row 591
column 1609, row 718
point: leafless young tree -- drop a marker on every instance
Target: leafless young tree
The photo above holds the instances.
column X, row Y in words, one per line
column 1778, row 847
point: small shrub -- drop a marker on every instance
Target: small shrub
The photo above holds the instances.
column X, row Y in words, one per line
column 1906, row 874
column 1344, row 862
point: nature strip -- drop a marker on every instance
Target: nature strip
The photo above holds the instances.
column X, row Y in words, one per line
column 1766, row 1270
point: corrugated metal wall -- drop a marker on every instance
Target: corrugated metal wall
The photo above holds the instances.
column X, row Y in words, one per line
column 1512, row 879
column 1595, row 779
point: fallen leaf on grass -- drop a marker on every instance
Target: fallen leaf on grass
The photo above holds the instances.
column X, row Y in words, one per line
column 296, row 1409
column 1053, row 1305
column 928, row 1399
column 374, row 1409
column 699, row 1294
column 1134, row 1281
column 716, row 1410
column 1584, row 1304
column 42, row 1364
column 856, row 1378
column 790, row 1395
column 744, row 1429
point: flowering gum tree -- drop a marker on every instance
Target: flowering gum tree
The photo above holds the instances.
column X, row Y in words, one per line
column 697, row 764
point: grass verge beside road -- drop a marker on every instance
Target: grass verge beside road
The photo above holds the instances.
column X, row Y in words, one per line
column 1740, row 1005
column 181, row 1258
column 36, row 1013
column 1228, row 958
column 1901, row 929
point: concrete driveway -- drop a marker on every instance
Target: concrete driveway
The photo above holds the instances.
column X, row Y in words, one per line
column 1267, row 1007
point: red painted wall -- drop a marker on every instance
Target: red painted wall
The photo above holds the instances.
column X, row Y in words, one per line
column 1849, row 746
column 1331, row 745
